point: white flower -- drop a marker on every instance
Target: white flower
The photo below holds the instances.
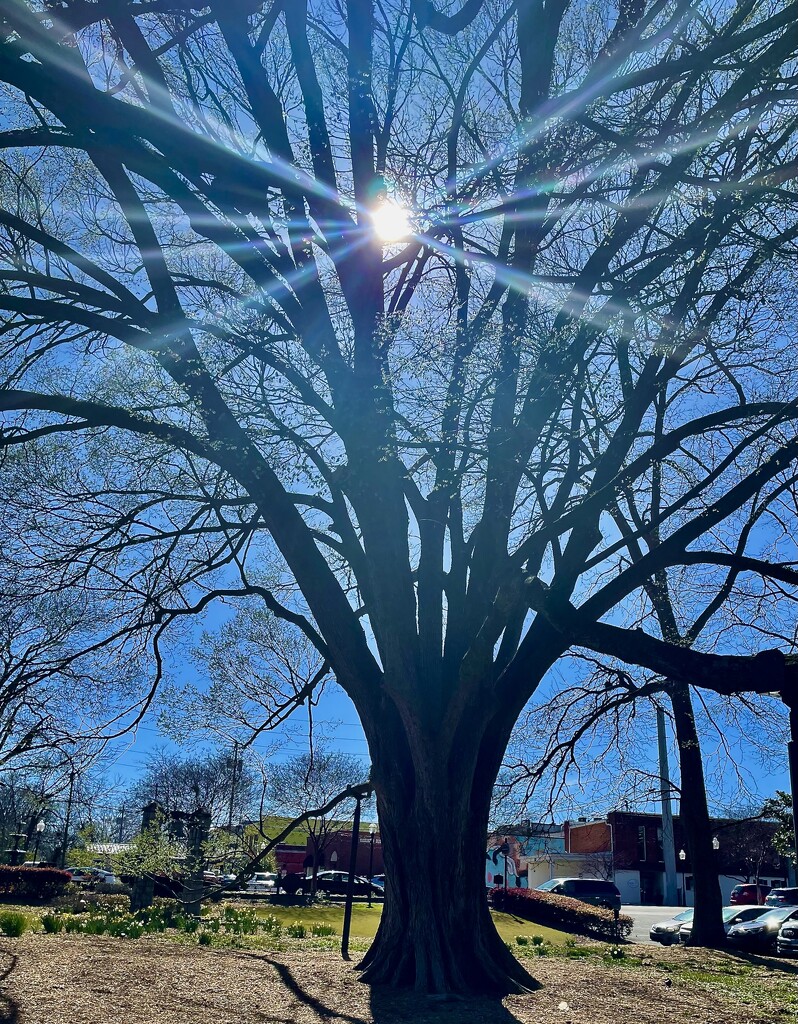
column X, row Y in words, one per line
column 563, row 1006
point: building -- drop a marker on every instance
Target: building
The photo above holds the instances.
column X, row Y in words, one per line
column 334, row 855
column 629, row 844
column 338, row 851
column 535, row 853
column 626, row 847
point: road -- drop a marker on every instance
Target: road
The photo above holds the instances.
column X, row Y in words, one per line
column 644, row 917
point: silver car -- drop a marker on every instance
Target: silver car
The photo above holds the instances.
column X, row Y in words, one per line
column 787, row 939
column 262, row 881
column 667, row 932
column 731, row 915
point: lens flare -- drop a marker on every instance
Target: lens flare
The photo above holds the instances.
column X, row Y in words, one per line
column 391, row 222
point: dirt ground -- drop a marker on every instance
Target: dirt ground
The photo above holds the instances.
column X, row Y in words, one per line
column 78, row 979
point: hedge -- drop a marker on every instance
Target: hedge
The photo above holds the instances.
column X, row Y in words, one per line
column 561, row 912
column 37, row 884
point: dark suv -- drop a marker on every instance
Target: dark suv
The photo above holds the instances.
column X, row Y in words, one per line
column 588, row 890
column 782, row 898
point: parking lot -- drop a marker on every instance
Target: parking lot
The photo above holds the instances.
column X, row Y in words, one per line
column 644, row 917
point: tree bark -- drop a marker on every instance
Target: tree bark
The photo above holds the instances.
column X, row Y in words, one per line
column 707, row 929
column 436, row 933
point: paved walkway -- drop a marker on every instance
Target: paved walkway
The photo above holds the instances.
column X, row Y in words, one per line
column 644, row 917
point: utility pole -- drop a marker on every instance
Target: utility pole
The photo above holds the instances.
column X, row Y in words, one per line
column 232, row 801
column 67, row 817
column 668, row 845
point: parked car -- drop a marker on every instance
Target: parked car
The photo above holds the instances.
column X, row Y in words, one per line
column 667, row 932
column 787, row 939
column 336, row 883
column 105, row 877
column 782, row 898
column 80, row 876
column 588, row 890
column 760, row 935
column 91, row 876
column 262, row 881
column 748, row 893
column 731, row 916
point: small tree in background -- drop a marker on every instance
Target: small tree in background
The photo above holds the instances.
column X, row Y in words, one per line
column 310, row 780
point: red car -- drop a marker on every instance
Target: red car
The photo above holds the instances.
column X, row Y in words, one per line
column 748, row 893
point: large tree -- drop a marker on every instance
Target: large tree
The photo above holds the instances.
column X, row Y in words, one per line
column 231, row 370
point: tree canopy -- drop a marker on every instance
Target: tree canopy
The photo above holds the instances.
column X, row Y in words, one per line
column 448, row 331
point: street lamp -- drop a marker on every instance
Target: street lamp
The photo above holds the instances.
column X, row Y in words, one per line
column 715, row 843
column 372, row 833
column 39, row 830
column 505, row 849
column 682, row 855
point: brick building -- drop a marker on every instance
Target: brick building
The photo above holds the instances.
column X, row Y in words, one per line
column 297, row 859
column 630, row 844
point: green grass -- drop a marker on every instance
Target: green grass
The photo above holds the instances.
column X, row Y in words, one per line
column 273, row 824
column 366, row 919
column 772, row 992
column 508, row 926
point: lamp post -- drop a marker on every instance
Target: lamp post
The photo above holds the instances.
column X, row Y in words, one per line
column 39, row 830
column 682, row 859
column 372, row 833
column 350, row 885
column 505, row 849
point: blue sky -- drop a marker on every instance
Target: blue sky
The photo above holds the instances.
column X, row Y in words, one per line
column 336, row 720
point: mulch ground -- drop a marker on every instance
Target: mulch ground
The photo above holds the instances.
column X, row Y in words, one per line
column 76, row 979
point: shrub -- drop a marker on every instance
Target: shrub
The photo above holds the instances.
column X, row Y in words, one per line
column 319, row 929
column 13, row 923
column 35, row 884
column 80, row 901
column 205, row 938
column 296, row 930
column 271, row 924
column 561, row 912
column 52, row 923
column 109, row 902
column 167, row 909
column 117, row 889
column 522, row 940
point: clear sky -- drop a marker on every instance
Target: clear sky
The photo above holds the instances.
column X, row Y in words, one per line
column 729, row 762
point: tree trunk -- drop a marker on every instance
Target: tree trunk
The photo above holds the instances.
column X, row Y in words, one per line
column 707, row 929
column 436, row 934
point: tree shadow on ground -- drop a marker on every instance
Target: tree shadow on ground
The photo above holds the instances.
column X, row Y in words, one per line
column 392, row 1006
column 9, row 1011
column 324, row 1012
column 762, row 960
column 395, row 1006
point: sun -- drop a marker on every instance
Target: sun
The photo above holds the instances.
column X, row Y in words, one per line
column 391, row 221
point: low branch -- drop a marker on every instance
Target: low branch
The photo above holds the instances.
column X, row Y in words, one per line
column 358, row 791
